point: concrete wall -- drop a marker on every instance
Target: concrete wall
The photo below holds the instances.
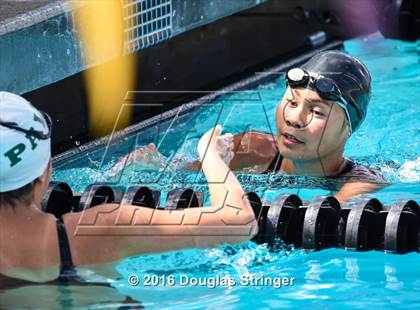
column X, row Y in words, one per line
column 41, row 46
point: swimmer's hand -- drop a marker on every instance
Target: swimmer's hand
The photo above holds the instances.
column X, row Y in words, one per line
column 214, row 143
column 146, row 156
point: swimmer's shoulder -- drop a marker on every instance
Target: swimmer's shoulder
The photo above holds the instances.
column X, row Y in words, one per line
column 359, row 179
column 362, row 173
column 253, row 140
column 253, row 148
column 91, row 236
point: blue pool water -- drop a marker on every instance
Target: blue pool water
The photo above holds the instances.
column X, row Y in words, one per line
column 388, row 140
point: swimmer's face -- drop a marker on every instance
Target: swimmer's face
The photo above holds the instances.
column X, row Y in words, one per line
column 319, row 124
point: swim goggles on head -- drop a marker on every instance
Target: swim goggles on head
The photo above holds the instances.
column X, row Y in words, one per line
column 324, row 86
column 35, row 133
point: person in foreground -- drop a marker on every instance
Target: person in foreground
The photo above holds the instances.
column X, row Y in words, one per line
column 325, row 102
column 35, row 246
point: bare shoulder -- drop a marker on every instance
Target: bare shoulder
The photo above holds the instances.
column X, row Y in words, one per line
column 248, row 140
column 90, row 234
column 253, row 148
column 359, row 180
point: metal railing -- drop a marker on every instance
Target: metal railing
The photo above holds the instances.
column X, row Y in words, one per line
column 146, row 23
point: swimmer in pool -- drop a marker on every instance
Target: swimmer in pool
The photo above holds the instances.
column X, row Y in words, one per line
column 325, row 102
column 35, row 246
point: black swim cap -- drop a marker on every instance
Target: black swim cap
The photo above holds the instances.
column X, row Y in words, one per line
column 352, row 78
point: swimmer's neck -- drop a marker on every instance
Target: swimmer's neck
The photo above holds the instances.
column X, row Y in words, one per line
column 24, row 208
column 20, row 212
column 331, row 165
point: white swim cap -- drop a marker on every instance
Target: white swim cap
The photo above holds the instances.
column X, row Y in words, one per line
column 25, row 143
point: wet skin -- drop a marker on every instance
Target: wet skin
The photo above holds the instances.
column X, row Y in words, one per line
column 319, row 126
column 319, row 131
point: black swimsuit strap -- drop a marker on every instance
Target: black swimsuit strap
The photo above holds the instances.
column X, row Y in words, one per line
column 275, row 163
column 277, row 160
column 67, row 267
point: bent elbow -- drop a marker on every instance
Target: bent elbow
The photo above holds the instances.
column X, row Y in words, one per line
column 253, row 228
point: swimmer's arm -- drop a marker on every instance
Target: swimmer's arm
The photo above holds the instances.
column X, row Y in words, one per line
column 253, row 148
column 114, row 231
column 147, row 155
column 352, row 189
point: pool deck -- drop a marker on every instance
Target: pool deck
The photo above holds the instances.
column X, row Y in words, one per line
column 13, row 8
column 19, row 14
